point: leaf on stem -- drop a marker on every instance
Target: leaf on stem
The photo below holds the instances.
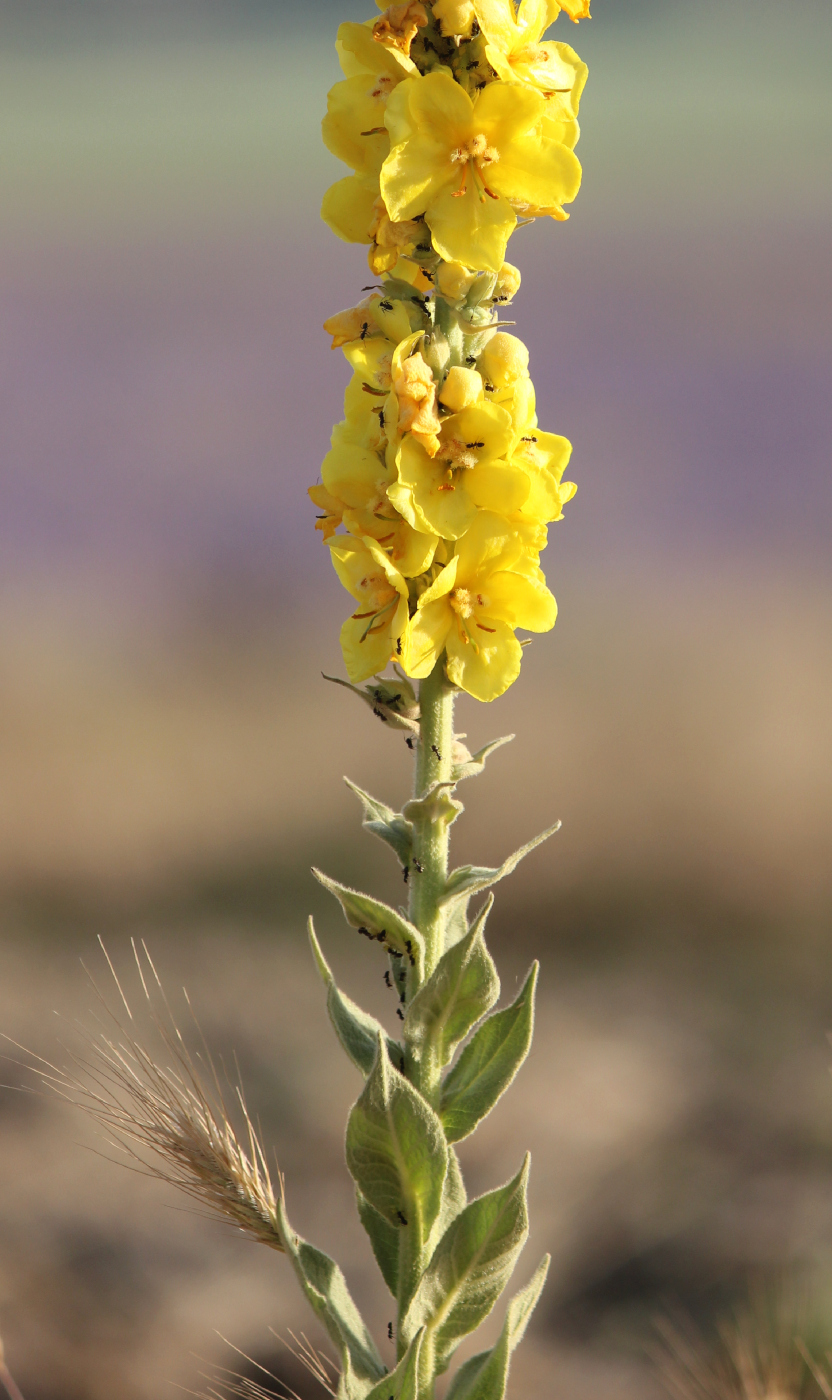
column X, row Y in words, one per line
column 436, row 805
column 384, row 1239
column 326, row 1290
column 470, row 879
column 470, row 1267
column 462, row 988
column 484, row 1376
column 488, row 1063
column 396, row 1149
column 392, row 704
column 470, row 765
column 357, row 1030
column 378, row 921
column 387, row 825
column 403, row 1383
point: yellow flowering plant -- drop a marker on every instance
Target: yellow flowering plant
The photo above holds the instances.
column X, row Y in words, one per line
column 459, row 122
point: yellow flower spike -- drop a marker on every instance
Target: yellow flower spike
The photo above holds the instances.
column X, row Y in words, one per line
column 471, row 609
column 467, row 164
column 400, row 24
column 462, row 388
column 371, row 637
column 514, row 49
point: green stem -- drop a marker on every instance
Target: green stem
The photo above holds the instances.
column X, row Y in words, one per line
column 429, row 872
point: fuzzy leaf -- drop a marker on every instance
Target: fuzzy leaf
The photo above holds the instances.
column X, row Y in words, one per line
column 393, row 705
column 436, row 805
column 403, row 1383
column 377, row 920
column 470, row 765
column 396, row 1150
column 326, row 1289
column 470, row 1267
column 488, row 1063
column 387, row 825
column 357, row 1030
column 462, row 988
column 484, row 1376
column 384, row 1239
column 454, row 1201
column 469, row 879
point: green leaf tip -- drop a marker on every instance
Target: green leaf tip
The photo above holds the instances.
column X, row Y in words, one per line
column 468, row 765
column 470, row 879
column 357, row 1030
column 462, row 988
column 488, row 1063
column 484, row 1376
column 389, row 826
column 403, row 1383
column 377, row 921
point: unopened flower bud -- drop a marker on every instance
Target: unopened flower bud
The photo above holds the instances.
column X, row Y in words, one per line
column 508, row 283
column 504, row 360
column 456, row 17
column 462, row 388
column 454, row 280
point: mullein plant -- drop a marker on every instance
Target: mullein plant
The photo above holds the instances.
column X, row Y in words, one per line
column 459, row 122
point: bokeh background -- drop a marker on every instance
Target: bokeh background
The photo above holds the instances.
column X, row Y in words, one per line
column 171, row 759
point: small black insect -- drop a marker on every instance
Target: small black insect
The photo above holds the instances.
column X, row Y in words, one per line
column 387, row 980
column 401, row 1065
column 390, row 1331
column 475, row 29
column 475, row 444
column 409, row 741
column 470, row 359
column 423, row 248
column 365, row 931
column 399, row 1013
column 417, row 865
column 409, row 946
column 402, row 996
column 401, row 1217
column 405, row 873
column 364, row 329
column 394, row 953
column 435, row 750
column 398, row 646
column 528, row 439
column 385, row 305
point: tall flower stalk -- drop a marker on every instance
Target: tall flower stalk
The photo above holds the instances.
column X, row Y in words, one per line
column 459, row 122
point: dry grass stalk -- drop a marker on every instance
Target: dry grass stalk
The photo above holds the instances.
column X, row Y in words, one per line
column 6, row 1378
column 170, row 1114
column 760, row 1356
column 226, row 1384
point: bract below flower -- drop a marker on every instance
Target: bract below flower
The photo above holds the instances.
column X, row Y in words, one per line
column 371, row 637
column 466, row 164
column 472, row 607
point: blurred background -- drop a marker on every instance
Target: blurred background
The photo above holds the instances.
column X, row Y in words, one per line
column 171, row 759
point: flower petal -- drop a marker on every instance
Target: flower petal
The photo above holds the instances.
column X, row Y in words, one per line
column 520, row 602
column 497, row 487
column 348, row 208
column 471, row 230
column 537, row 171
column 424, row 638
column 488, row 671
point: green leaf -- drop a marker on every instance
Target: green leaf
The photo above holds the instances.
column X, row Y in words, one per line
column 403, row 1383
column 436, row 805
column 384, row 1239
column 488, row 1063
column 378, row 921
column 462, row 988
column 470, row 1267
column 454, row 1201
column 393, row 703
column 357, row 1030
column 484, row 1377
column 469, row 879
column 387, row 825
column 326, row 1289
column 469, row 765
column 396, row 1150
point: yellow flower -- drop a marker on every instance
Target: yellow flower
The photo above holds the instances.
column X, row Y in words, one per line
column 490, row 586
column 356, row 479
column 516, row 53
column 372, row 317
column 442, row 494
column 504, row 360
column 400, row 24
column 353, row 128
column 411, row 407
column 543, row 458
column 372, row 635
column 467, row 164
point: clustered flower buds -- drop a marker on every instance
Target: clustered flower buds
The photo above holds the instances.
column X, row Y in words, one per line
column 459, row 122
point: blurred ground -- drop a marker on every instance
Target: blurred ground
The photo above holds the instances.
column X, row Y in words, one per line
column 170, row 759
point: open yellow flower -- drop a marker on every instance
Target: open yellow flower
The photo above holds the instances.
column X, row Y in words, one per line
column 356, row 478
column 467, row 164
column 517, row 53
column 490, row 586
column 372, row 635
column 354, row 130
column 443, row 493
column 543, row 458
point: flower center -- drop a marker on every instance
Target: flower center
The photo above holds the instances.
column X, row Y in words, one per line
column 475, row 155
column 384, row 84
column 460, row 455
column 462, row 602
